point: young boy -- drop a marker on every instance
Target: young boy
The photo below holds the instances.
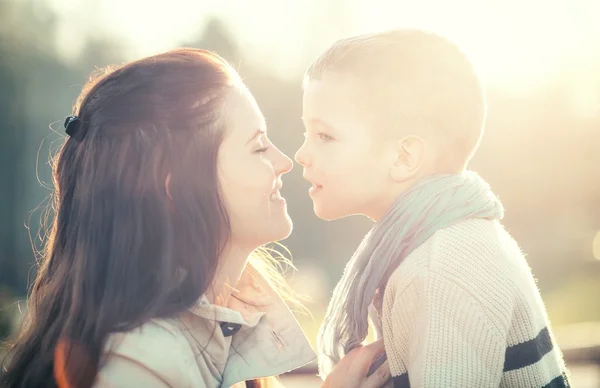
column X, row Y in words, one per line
column 392, row 120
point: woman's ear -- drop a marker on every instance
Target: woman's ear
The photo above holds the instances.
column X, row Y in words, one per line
column 168, row 186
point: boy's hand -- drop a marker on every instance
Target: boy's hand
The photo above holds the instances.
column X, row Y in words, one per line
column 352, row 370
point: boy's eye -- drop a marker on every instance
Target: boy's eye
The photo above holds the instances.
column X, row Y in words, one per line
column 324, row 137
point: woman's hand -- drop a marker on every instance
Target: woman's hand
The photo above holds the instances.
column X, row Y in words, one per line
column 352, row 370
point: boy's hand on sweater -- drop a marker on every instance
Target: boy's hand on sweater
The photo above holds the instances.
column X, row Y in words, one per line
column 352, row 370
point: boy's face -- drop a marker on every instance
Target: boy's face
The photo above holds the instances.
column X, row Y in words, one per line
column 344, row 157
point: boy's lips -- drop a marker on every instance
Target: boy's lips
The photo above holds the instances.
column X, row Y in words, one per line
column 315, row 186
column 309, row 180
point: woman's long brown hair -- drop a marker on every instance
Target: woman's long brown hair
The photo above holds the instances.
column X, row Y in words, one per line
column 119, row 251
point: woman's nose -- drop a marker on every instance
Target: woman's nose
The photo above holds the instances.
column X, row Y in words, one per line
column 284, row 163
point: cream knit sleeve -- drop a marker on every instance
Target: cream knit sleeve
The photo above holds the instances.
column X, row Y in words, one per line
column 438, row 334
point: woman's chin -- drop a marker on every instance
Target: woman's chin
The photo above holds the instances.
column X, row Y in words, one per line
column 285, row 229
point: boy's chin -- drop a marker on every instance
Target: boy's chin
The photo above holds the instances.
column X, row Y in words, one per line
column 328, row 214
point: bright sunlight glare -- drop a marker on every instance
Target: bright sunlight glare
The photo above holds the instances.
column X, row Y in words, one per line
column 512, row 42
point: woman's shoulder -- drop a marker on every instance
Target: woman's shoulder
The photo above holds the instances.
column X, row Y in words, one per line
column 157, row 338
column 161, row 332
column 157, row 349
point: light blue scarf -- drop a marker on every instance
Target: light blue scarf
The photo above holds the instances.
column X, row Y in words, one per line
column 434, row 203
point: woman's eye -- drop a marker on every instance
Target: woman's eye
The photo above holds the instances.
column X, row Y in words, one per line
column 262, row 150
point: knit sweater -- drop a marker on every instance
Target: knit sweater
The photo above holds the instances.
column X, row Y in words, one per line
column 463, row 310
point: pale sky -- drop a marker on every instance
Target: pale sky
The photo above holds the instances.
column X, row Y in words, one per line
column 517, row 40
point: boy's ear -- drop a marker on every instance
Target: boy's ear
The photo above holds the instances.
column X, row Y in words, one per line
column 410, row 152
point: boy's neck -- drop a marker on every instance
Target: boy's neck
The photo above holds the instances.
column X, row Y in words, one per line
column 384, row 204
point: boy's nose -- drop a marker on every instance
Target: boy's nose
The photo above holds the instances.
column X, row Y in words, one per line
column 301, row 156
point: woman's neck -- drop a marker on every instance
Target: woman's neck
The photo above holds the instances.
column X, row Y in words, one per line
column 231, row 265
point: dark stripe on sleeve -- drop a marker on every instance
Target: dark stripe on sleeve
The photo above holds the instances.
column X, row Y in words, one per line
column 559, row 382
column 401, row 381
column 528, row 353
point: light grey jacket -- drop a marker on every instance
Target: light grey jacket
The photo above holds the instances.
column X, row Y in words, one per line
column 256, row 335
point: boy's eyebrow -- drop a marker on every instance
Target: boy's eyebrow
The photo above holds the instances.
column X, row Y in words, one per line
column 317, row 122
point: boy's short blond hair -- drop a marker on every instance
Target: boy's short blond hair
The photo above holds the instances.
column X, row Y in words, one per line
column 414, row 81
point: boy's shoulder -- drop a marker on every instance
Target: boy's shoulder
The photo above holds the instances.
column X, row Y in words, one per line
column 473, row 241
column 471, row 252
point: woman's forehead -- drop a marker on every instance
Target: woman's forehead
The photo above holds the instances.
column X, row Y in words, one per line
column 242, row 114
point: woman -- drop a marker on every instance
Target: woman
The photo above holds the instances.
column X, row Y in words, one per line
column 165, row 188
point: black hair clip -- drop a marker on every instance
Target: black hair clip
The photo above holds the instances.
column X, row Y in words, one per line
column 73, row 128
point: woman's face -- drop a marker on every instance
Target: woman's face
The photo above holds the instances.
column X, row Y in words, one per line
column 250, row 171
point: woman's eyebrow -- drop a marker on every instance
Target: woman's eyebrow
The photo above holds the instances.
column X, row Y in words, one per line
column 259, row 132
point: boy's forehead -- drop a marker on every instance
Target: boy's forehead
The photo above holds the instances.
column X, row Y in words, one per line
column 332, row 83
column 346, row 102
column 333, row 93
